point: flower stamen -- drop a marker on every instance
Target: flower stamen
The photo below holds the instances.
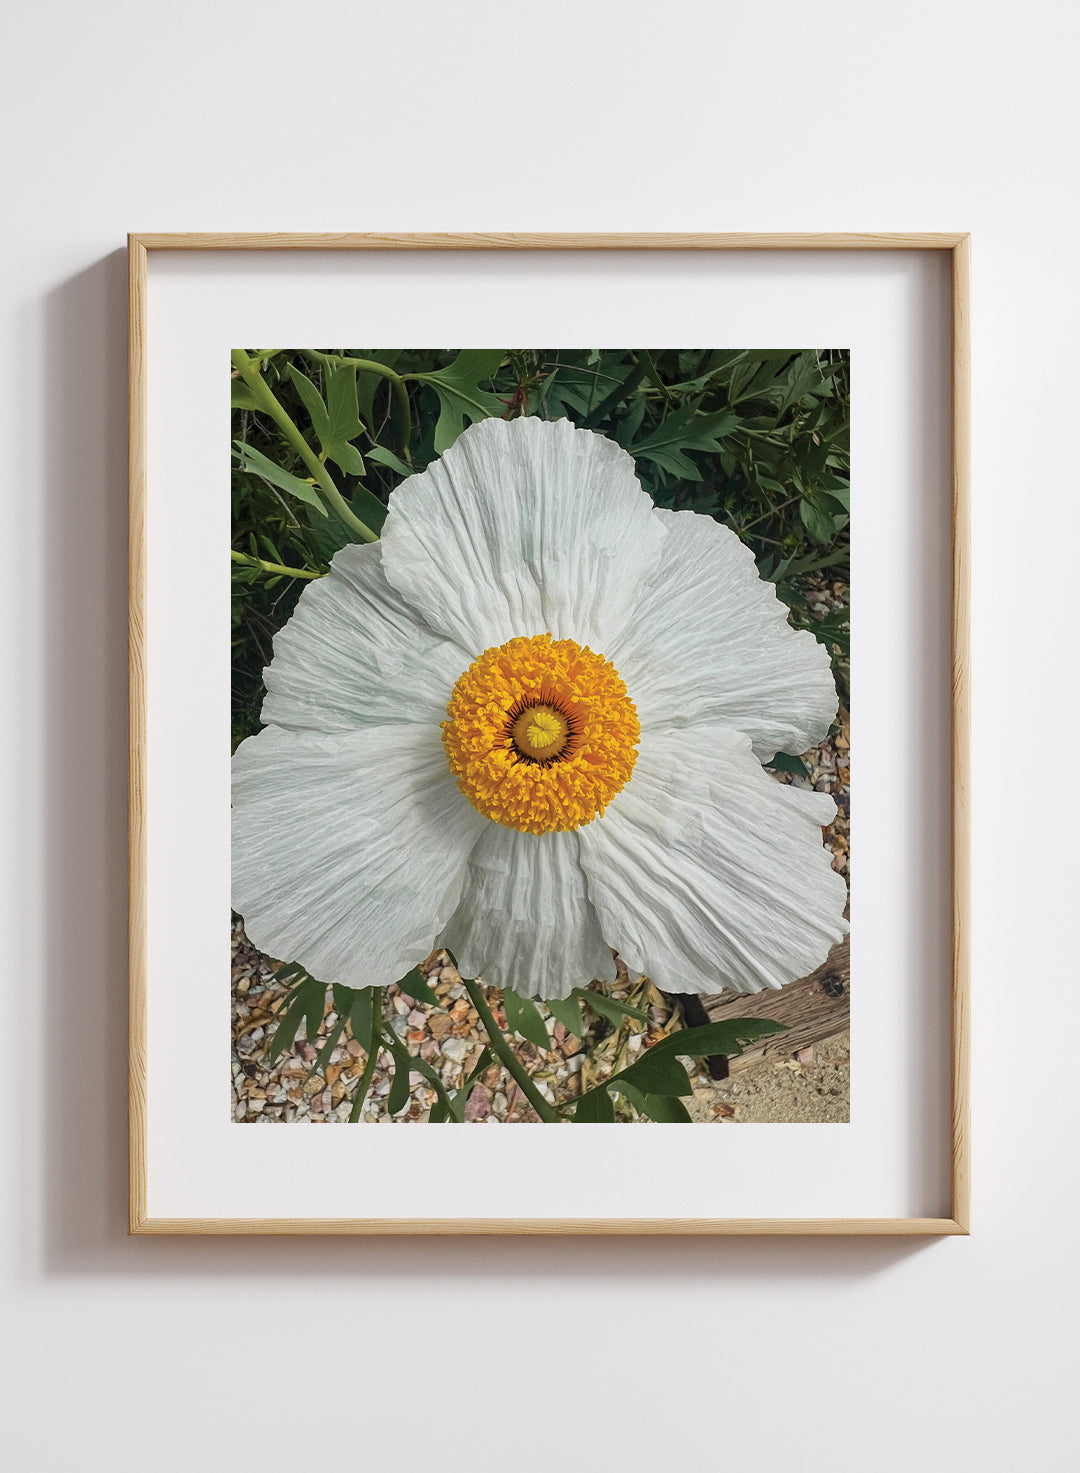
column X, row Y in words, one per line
column 541, row 735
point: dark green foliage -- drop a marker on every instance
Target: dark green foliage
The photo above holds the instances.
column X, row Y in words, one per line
column 666, row 1109
column 567, row 1011
column 414, row 986
column 658, row 1073
column 523, row 1017
column 595, row 1108
column 725, row 1038
column 653, row 1083
column 610, row 1007
column 307, row 1004
column 757, row 439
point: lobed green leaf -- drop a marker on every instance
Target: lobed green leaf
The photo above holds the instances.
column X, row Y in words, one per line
column 523, row 1017
column 461, row 398
column 657, row 1074
column 414, row 986
column 595, row 1108
column 726, row 1038
column 567, row 1011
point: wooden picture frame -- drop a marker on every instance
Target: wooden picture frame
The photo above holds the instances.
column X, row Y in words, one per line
column 140, row 247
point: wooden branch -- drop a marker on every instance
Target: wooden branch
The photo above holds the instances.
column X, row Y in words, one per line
column 813, row 1008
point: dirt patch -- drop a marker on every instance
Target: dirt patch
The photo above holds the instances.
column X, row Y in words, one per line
column 802, row 1090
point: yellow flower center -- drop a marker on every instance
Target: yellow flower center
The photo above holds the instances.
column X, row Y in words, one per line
column 541, row 734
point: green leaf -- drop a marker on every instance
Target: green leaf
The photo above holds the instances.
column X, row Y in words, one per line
column 287, row 1028
column 360, row 1018
column 629, row 1092
column 399, row 1088
column 758, row 376
column 567, row 1011
column 784, row 762
column 461, row 398
column 667, row 1109
column 242, row 397
column 726, row 1038
column 630, row 423
column 336, row 422
column 307, row 1002
column 256, row 463
column 368, row 508
column 325, row 535
column 381, row 456
column 839, row 558
column 314, row 1007
column 685, row 430
column 839, row 491
column 523, row 1017
column 621, row 391
column 313, row 403
column 345, row 425
column 349, row 459
column 319, row 1066
column 414, row 986
column 833, row 629
column 291, row 971
column 804, row 376
column 817, row 521
column 655, row 1074
column 595, row 1108
column 610, row 1007
column 567, row 388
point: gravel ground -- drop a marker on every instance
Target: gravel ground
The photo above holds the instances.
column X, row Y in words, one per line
column 449, row 1037
column 812, row 1086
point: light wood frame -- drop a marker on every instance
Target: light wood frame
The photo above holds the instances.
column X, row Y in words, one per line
column 958, row 246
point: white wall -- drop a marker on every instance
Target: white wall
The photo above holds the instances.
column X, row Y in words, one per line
column 159, row 1355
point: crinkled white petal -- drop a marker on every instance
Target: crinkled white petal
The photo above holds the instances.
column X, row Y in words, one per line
column 710, row 643
column 348, row 848
column 707, row 874
column 525, row 920
column 356, row 654
column 523, row 527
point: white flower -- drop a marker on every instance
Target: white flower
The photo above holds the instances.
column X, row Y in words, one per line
column 526, row 725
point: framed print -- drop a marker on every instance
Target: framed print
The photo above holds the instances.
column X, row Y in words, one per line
column 565, row 735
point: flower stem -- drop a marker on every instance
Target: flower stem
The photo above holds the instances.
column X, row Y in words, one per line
column 505, row 1054
column 267, row 401
column 401, row 393
column 373, row 1045
column 278, row 568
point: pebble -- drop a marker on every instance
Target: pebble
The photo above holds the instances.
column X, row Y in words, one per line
column 478, row 1106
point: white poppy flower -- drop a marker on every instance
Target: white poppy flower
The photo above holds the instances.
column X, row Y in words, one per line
column 528, row 725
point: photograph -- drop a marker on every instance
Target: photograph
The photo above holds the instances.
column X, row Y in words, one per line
column 541, row 735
